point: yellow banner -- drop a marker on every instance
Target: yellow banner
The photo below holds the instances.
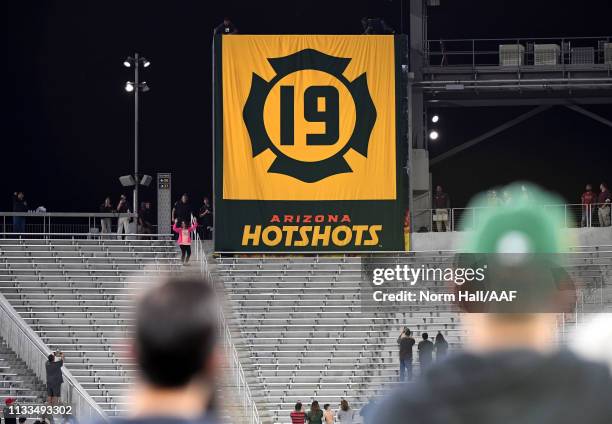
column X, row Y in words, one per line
column 308, row 117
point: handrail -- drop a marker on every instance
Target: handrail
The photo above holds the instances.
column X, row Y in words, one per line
column 248, row 404
column 33, row 351
column 575, row 215
column 97, row 235
column 480, row 52
column 71, row 214
column 602, row 37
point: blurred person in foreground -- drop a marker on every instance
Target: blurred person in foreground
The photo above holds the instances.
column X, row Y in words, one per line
column 510, row 370
column 175, row 349
column 593, row 339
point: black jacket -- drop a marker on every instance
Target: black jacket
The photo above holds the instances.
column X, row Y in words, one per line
column 508, row 387
column 19, row 205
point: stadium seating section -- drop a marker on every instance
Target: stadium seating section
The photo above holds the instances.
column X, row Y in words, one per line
column 297, row 321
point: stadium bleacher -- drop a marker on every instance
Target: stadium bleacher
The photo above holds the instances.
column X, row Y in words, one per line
column 296, row 321
column 303, row 336
column 75, row 294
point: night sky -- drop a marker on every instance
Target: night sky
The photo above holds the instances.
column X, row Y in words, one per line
column 66, row 120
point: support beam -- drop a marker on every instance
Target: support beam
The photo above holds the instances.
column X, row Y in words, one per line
column 482, row 101
column 590, row 114
column 416, row 40
column 503, row 127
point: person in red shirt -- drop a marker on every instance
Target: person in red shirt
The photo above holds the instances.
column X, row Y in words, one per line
column 587, row 199
column 298, row 416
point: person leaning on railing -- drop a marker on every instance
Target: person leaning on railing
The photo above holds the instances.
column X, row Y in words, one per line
column 441, row 205
column 603, row 201
column 21, row 206
column 587, row 199
column 105, row 223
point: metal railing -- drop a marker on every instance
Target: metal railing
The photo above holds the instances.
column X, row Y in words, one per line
column 33, row 351
column 484, row 52
column 63, row 222
column 243, row 392
column 457, row 219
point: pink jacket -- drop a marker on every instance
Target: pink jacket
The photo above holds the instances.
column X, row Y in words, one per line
column 184, row 240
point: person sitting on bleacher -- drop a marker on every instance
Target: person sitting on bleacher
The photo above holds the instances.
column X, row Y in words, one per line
column 297, row 415
column 315, row 415
column 345, row 415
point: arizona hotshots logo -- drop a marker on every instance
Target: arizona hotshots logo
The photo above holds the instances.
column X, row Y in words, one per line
column 309, row 137
column 309, row 84
column 311, row 231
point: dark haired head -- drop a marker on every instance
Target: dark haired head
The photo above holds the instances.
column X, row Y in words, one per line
column 298, row 406
column 439, row 337
column 175, row 332
column 344, row 405
column 326, row 406
column 51, row 357
column 407, row 331
column 314, row 406
column 425, row 336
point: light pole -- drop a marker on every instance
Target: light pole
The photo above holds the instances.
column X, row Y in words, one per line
column 136, row 62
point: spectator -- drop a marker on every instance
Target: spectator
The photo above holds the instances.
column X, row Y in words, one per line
column 587, row 199
column 184, row 239
column 345, row 415
column 105, row 223
column 205, row 220
column 182, row 209
column 441, row 205
column 145, row 218
column 9, row 414
column 54, row 377
column 20, row 206
column 603, row 201
column 426, row 348
column 315, row 415
column 176, row 352
column 226, row 27
column 440, row 346
column 123, row 223
column 328, row 414
column 375, row 25
column 405, row 342
column 297, row 415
